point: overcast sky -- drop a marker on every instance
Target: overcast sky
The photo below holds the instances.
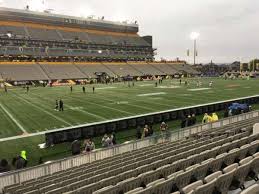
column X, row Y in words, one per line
column 229, row 29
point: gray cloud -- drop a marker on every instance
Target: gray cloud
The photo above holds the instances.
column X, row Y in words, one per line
column 228, row 28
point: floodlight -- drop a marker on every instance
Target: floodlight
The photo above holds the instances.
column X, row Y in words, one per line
column 194, row 35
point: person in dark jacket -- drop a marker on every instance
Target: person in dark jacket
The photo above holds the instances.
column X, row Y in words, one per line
column 188, row 121
column 193, row 119
column 75, row 147
column 20, row 161
column 113, row 138
column 183, row 122
column 150, row 130
column 61, row 105
column 138, row 132
column 4, row 166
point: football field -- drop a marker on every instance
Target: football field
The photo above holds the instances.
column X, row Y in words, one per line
column 25, row 113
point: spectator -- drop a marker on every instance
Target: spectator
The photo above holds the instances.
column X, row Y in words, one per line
column 145, row 132
column 4, row 166
column 75, row 147
column 89, row 145
column 226, row 113
column 207, row 118
column 40, row 160
column 106, row 141
column 138, row 133
column 189, row 121
column 194, row 120
column 215, row 117
column 163, row 127
column 150, row 130
column 20, row 161
column 113, row 138
column 183, row 122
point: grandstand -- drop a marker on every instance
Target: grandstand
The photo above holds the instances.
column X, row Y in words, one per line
column 45, row 46
column 31, row 35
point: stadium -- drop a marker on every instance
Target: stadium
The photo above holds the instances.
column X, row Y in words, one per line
column 86, row 108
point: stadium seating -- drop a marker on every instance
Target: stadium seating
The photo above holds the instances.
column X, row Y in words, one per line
column 202, row 164
column 166, row 69
column 183, row 68
column 21, row 72
column 90, row 69
column 146, row 69
column 62, row 71
column 123, row 69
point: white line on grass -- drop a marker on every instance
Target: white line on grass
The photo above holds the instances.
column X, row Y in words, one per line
column 45, row 111
column 13, row 119
column 81, row 110
column 103, row 106
column 152, row 94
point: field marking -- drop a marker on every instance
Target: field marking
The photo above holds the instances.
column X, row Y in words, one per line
column 144, row 85
column 80, row 110
column 13, row 119
column 230, row 89
column 168, row 87
column 152, row 94
column 129, row 104
column 43, row 110
column 105, row 88
column 198, row 89
column 107, row 107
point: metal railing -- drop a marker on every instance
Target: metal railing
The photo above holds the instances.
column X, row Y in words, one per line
column 20, row 176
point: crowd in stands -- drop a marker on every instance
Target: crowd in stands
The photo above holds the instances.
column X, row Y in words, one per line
column 18, row 162
column 188, row 120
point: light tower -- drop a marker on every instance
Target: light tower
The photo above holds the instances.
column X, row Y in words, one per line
column 194, row 36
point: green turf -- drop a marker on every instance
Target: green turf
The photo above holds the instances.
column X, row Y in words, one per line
column 35, row 111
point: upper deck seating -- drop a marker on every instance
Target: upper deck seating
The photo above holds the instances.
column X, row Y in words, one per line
column 43, row 34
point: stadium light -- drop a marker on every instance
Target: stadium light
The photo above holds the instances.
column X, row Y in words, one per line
column 194, row 36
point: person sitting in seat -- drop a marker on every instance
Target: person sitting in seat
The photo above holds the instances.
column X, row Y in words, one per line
column 4, row 166
column 89, row 145
column 163, row 127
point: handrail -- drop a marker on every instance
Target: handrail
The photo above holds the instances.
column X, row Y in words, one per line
column 22, row 175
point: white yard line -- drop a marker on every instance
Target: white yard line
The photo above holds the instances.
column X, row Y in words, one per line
column 83, row 111
column 13, row 119
column 43, row 110
column 198, row 89
column 152, row 94
column 103, row 106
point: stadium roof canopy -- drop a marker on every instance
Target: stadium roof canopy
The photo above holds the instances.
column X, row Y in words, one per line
column 64, row 20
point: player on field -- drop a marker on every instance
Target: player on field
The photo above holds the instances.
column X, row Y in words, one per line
column 93, row 89
column 210, row 84
column 56, row 106
column 83, row 89
column 27, row 89
column 71, row 89
column 5, row 88
column 61, row 105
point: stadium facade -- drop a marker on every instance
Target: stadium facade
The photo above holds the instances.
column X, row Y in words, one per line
column 44, row 46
